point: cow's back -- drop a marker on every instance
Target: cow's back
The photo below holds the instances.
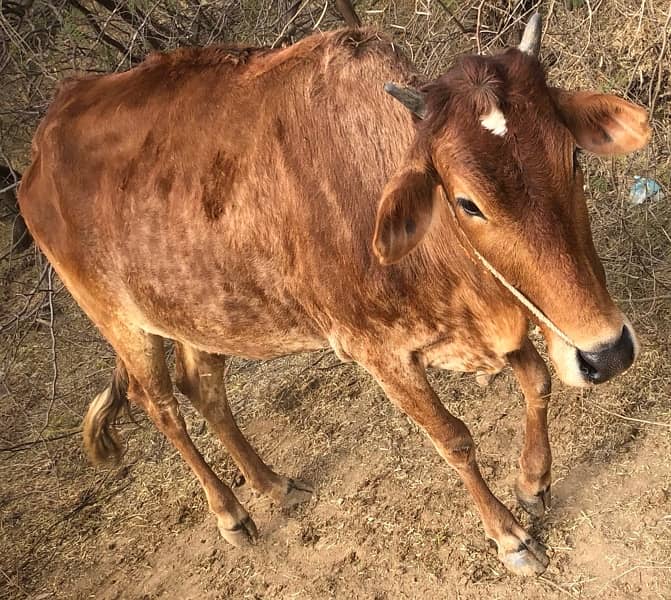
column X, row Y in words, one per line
column 226, row 190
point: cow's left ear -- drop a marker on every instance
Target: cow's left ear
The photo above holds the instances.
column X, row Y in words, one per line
column 406, row 208
column 602, row 123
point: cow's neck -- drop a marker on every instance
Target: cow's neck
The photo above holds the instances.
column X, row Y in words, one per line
column 440, row 265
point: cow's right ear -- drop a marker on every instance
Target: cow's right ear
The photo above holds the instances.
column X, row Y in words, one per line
column 406, row 208
column 602, row 123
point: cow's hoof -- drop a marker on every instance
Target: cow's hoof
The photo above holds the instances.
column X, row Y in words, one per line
column 297, row 491
column 535, row 504
column 519, row 552
column 529, row 559
column 241, row 535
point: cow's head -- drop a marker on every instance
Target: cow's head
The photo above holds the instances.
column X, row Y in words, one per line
column 503, row 146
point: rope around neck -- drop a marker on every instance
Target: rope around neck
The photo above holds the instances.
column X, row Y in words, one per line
column 521, row 298
column 533, row 309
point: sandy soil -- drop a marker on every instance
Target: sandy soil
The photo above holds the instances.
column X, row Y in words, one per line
column 389, row 519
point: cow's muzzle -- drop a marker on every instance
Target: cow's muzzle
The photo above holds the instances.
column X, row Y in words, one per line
column 609, row 360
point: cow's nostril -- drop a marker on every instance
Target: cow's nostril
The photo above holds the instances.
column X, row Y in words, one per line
column 602, row 364
column 588, row 371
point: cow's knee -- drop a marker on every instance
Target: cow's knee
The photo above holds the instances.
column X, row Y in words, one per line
column 458, row 447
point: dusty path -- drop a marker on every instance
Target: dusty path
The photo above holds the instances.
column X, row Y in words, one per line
column 389, row 520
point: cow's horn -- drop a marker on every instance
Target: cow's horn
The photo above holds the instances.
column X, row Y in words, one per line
column 409, row 97
column 531, row 39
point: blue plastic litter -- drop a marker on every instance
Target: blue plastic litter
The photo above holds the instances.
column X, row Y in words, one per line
column 644, row 189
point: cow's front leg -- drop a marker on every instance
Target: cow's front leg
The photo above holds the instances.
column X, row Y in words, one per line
column 533, row 484
column 404, row 381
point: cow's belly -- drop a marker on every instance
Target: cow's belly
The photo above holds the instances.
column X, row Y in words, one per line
column 254, row 333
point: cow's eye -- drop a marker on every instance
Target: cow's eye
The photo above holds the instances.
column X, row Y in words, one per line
column 470, row 207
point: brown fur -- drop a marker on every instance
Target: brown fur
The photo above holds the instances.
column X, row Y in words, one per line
column 235, row 202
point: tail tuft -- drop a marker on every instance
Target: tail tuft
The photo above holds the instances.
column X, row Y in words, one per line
column 101, row 439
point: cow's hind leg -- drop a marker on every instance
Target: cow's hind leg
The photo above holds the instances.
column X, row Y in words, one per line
column 150, row 387
column 533, row 484
column 201, row 377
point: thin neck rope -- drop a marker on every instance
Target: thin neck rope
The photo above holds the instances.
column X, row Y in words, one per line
column 521, row 298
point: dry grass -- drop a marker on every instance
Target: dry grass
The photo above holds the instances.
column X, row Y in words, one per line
column 390, row 519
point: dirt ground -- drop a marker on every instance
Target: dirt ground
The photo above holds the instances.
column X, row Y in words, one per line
column 388, row 519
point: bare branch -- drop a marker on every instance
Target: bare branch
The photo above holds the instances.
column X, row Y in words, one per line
column 108, row 39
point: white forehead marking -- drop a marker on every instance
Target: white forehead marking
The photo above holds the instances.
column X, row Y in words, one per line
column 495, row 122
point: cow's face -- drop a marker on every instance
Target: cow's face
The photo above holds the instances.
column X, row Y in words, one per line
column 503, row 147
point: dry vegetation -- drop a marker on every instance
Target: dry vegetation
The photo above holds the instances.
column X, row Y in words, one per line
column 389, row 519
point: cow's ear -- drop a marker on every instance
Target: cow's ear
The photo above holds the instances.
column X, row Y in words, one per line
column 406, row 208
column 602, row 123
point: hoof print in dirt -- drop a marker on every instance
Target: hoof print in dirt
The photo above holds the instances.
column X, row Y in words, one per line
column 297, row 492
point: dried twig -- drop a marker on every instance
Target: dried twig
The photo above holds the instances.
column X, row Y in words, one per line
column 18, row 317
column 9, row 187
column 625, row 418
column 659, row 69
column 478, row 27
column 556, row 586
column 102, row 34
column 626, row 572
column 321, row 17
column 29, row 444
column 89, row 499
column 282, row 34
column 456, row 21
column 54, row 362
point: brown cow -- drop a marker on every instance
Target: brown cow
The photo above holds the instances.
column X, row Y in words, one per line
column 258, row 202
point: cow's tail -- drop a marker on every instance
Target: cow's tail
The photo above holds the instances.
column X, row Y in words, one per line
column 101, row 438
